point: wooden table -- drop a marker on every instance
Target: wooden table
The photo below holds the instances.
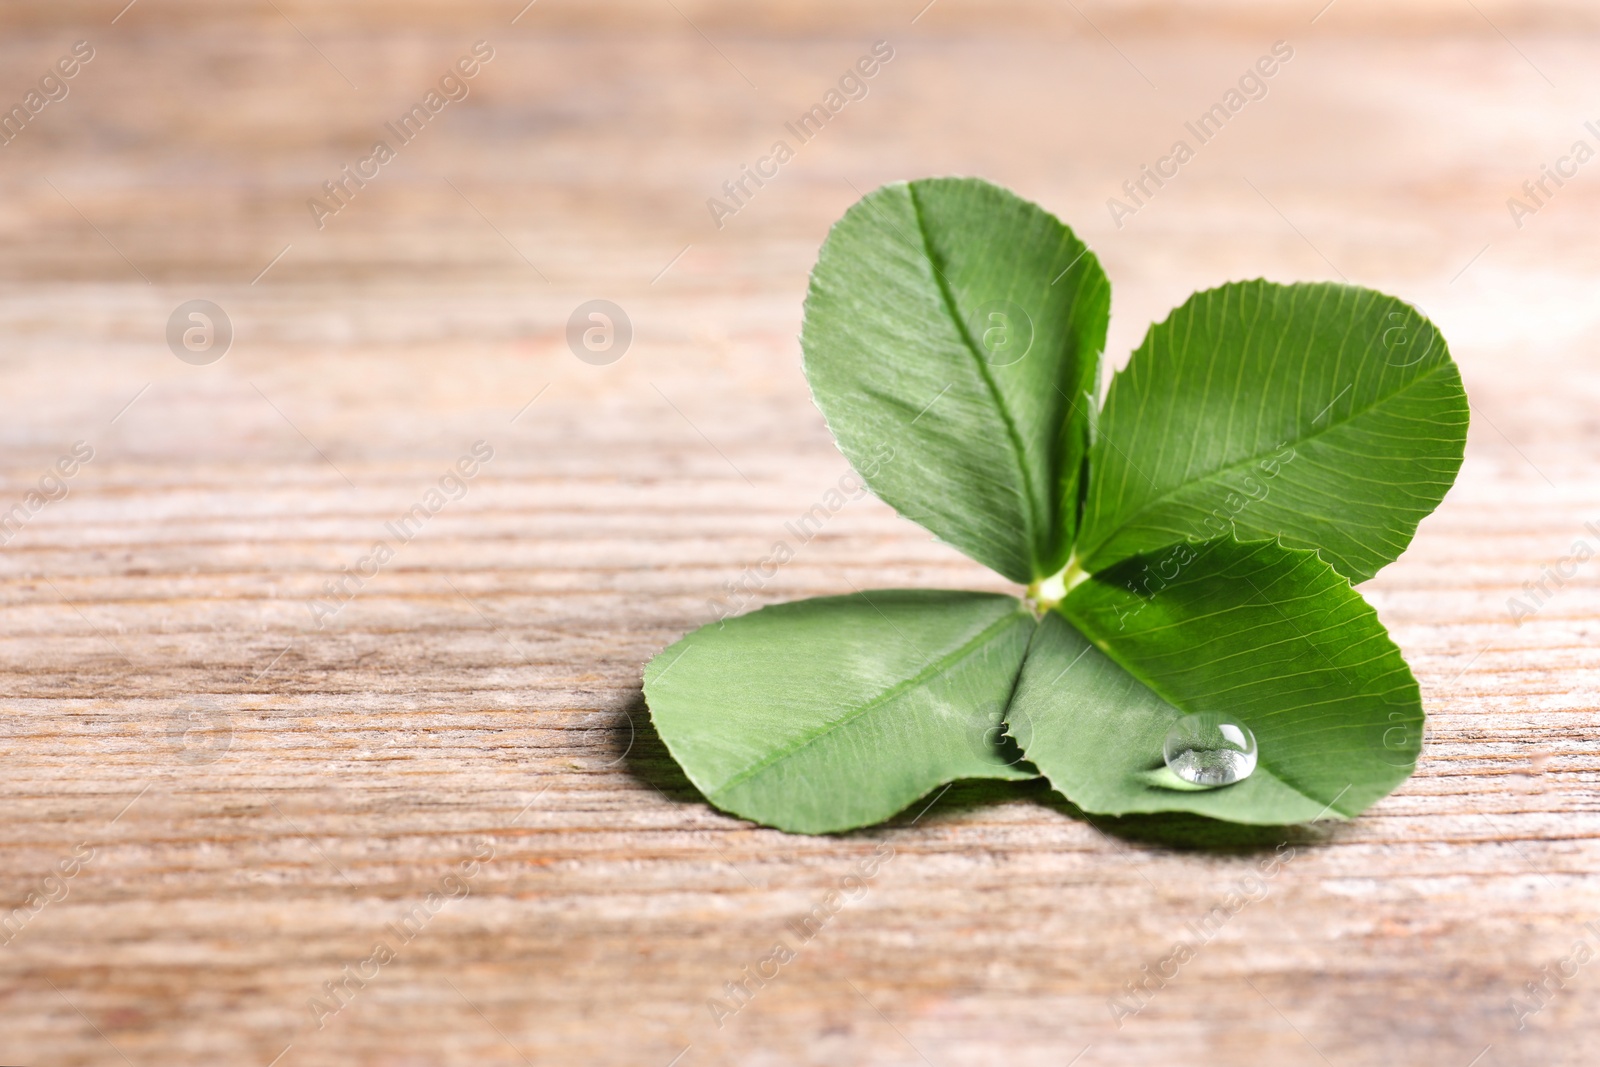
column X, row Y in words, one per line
column 249, row 792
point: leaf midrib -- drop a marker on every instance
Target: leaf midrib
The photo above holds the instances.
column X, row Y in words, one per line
column 1155, row 502
column 1030, row 505
column 931, row 669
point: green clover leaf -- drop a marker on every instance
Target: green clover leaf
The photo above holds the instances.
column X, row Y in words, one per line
column 1267, row 636
column 837, row 712
column 1325, row 415
column 962, row 326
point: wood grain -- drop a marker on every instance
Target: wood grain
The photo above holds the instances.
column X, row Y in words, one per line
column 263, row 797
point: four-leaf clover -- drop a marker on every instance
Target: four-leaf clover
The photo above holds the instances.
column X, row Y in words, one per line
column 1188, row 546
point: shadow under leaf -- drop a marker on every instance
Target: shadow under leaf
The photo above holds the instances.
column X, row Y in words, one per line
column 1186, row 832
column 648, row 760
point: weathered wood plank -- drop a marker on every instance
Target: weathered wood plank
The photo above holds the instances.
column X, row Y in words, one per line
column 263, row 796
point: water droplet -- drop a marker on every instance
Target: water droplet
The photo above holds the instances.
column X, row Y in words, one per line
column 1210, row 749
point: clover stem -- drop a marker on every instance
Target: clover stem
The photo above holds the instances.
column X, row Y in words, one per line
column 1046, row 593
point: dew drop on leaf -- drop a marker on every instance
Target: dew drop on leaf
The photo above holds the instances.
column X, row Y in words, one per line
column 1210, row 750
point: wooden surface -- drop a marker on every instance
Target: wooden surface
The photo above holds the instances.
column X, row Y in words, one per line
column 259, row 798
